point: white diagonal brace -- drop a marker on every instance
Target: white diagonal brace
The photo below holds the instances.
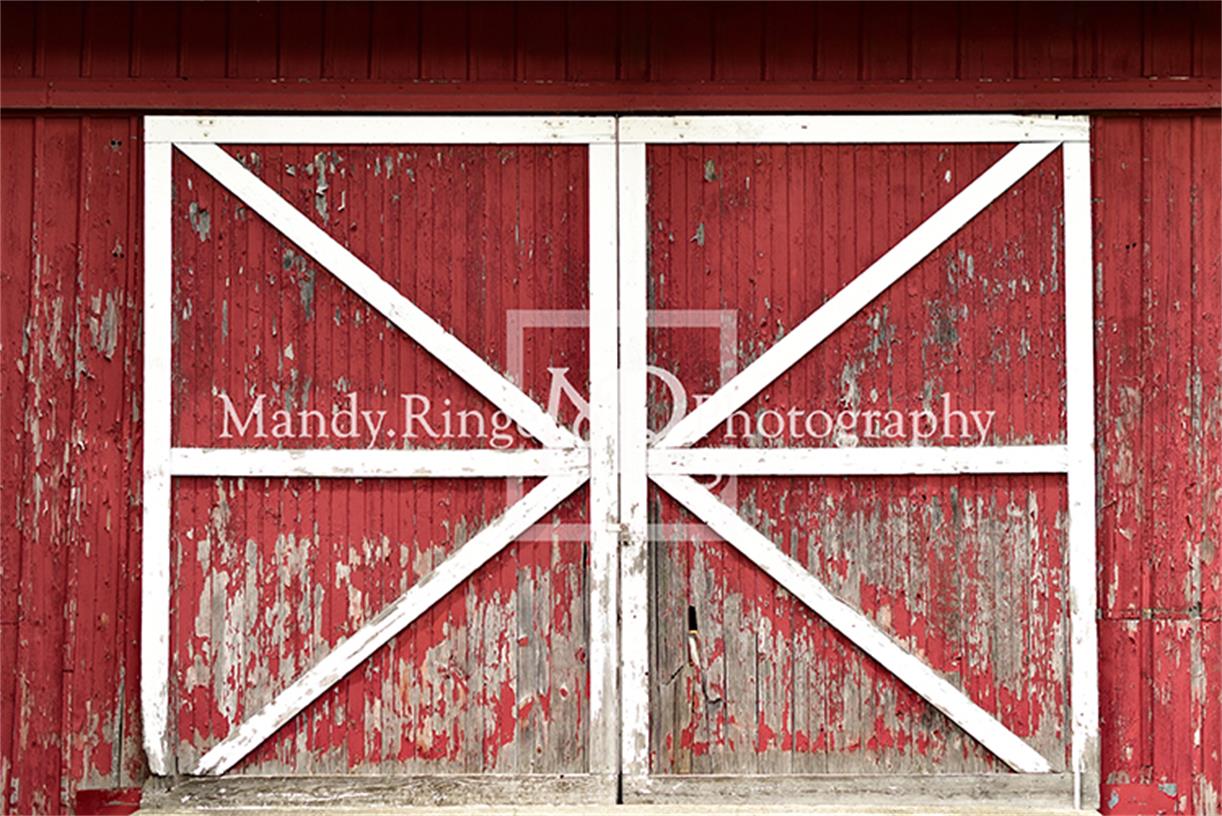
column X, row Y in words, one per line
column 855, row 626
column 361, row 279
column 892, row 461
column 857, row 294
column 388, row 623
column 377, row 464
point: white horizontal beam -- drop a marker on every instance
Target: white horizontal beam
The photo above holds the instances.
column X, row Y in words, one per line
column 855, row 626
column 340, row 130
column 865, row 129
column 377, row 464
column 374, row 290
column 897, row 461
column 389, row 622
column 857, row 294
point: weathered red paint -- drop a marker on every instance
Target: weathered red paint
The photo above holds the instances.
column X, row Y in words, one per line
column 70, row 347
column 470, row 232
column 981, row 318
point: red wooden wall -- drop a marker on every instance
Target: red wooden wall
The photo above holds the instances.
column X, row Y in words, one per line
column 76, row 77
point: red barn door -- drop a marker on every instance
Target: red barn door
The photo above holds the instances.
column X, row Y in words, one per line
column 841, row 489
column 380, row 556
column 894, row 592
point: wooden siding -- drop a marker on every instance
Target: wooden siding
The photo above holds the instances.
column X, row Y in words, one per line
column 71, row 304
column 605, row 41
column 614, row 57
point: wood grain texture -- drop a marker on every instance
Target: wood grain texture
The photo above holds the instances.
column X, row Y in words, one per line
column 492, row 678
column 71, row 244
column 382, row 794
column 708, row 41
column 613, row 57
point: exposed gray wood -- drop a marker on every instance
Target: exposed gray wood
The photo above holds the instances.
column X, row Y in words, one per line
column 365, row 793
column 1027, row 790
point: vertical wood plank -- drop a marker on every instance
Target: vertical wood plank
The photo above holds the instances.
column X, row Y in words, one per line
column 492, row 41
column 106, row 48
column 680, row 43
column 634, row 549
column 603, row 580
column 203, row 33
column 1171, row 375
column 636, row 32
column 17, row 50
column 986, row 41
column 593, row 39
column 395, row 42
column 443, row 41
column 789, row 41
column 1046, row 41
column 838, row 37
column 541, row 34
column 300, row 45
column 1205, row 433
column 155, row 40
column 1123, row 259
column 17, row 278
column 738, row 41
column 94, row 655
column 1167, row 49
column 1080, row 437
column 43, row 516
column 886, row 51
column 155, row 496
column 60, row 40
column 346, row 36
column 253, row 42
column 935, row 41
column 1115, row 29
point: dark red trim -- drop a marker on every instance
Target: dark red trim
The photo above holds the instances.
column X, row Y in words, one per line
column 612, row 96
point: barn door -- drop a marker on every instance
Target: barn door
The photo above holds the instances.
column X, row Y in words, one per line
column 864, row 566
column 369, row 547
column 840, row 494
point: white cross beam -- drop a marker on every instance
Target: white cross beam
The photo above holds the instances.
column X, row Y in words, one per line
column 670, row 461
column 389, row 622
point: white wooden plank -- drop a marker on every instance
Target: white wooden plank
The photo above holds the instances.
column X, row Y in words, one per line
column 1080, row 437
column 377, row 464
column 155, row 433
column 604, row 465
column 379, row 294
column 634, row 485
column 859, row 461
column 881, row 793
column 863, row 129
column 855, row 626
column 442, row 793
column 390, row 621
column 857, row 294
column 341, row 130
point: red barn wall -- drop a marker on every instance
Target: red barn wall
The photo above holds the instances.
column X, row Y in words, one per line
column 77, row 78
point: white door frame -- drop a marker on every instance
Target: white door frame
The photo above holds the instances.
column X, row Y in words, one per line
column 618, row 462
column 565, row 460
column 669, row 463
